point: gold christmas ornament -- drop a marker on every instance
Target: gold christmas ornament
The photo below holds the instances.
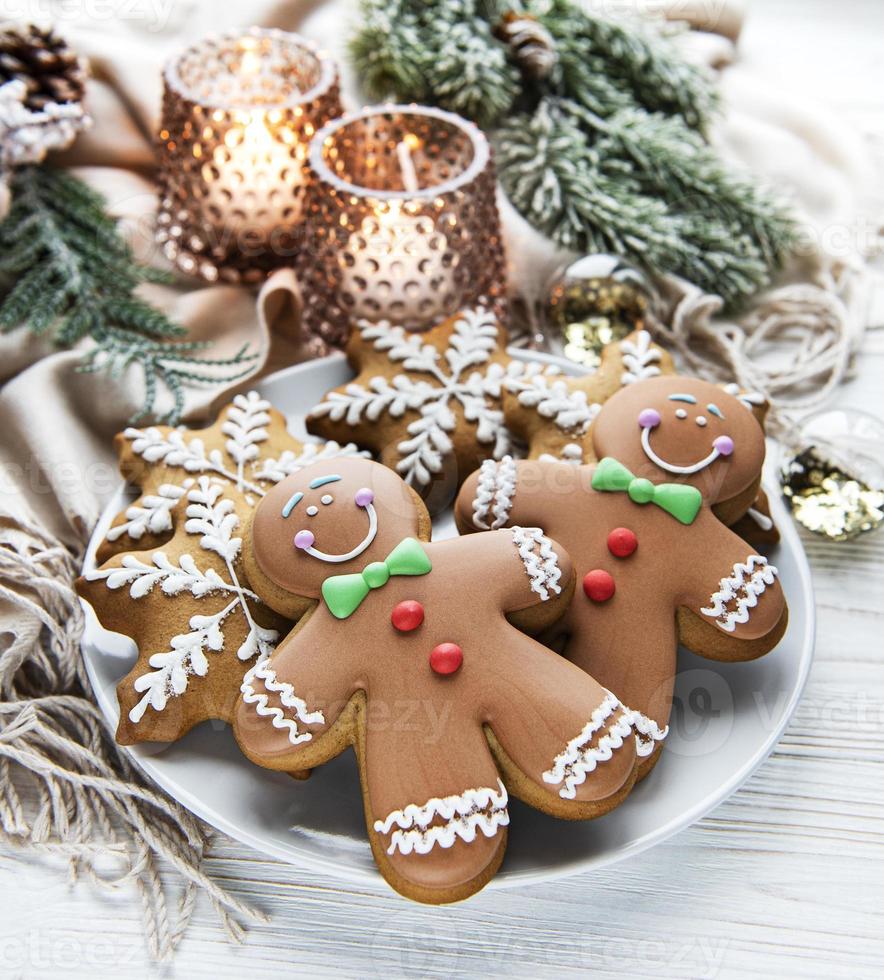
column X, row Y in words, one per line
column 835, row 487
column 595, row 301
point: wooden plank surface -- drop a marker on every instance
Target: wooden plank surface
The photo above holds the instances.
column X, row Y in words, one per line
column 784, row 879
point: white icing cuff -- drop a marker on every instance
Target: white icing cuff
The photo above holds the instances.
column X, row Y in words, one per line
column 540, row 560
column 742, row 587
column 286, row 693
column 465, row 814
column 580, row 757
column 494, row 493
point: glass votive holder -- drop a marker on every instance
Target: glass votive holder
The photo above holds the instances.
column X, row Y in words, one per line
column 400, row 222
column 238, row 115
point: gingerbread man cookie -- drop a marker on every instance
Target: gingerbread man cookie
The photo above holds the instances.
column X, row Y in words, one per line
column 412, row 655
column 655, row 563
column 554, row 415
column 428, row 403
column 170, row 570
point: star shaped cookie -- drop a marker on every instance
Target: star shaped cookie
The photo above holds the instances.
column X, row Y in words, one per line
column 170, row 574
column 429, row 404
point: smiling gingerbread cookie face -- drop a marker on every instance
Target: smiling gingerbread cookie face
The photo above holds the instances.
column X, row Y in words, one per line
column 327, row 518
column 685, row 430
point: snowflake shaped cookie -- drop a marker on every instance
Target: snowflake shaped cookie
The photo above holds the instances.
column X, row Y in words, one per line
column 170, row 575
column 428, row 403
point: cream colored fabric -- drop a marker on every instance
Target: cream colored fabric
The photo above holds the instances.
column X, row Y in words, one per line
column 57, row 468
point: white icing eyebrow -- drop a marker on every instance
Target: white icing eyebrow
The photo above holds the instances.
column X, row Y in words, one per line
column 683, row 398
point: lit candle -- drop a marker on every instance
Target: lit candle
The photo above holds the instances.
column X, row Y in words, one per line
column 404, row 254
column 256, row 169
column 402, row 222
column 238, row 114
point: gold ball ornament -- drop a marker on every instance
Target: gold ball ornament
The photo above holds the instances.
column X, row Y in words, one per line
column 595, row 301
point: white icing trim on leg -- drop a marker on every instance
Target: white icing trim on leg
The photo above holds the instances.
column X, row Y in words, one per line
column 464, row 814
column 265, row 673
column 579, row 757
column 744, row 585
column 647, row 732
column 494, row 493
column 540, row 560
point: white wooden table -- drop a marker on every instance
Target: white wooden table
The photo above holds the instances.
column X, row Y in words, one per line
column 784, row 879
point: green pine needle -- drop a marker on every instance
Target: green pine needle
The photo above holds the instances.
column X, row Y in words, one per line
column 71, row 275
column 411, row 51
column 636, row 62
column 591, row 195
column 606, row 154
column 387, row 50
column 172, row 366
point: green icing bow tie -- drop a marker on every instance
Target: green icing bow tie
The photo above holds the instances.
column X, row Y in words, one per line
column 681, row 501
column 344, row 593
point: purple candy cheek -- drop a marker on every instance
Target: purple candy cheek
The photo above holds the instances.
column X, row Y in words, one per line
column 649, row 418
column 304, row 539
column 724, row 445
column 364, row 497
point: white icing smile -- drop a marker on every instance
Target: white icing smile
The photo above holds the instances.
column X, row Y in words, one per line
column 672, row 467
column 305, row 539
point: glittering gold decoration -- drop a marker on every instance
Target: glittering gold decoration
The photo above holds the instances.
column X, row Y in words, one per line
column 596, row 301
column 829, row 501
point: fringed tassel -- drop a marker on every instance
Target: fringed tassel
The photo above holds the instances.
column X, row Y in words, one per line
column 65, row 787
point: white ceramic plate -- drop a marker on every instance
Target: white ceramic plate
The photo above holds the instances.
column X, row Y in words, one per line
column 726, row 719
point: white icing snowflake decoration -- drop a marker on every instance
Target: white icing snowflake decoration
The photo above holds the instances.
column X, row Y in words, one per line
column 210, row 517
column 461, row 374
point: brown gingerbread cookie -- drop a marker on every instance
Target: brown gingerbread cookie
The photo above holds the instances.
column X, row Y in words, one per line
column 429, row 404
column 170, row 572
column 679, row 459
column 412, row 655
column 554, row 415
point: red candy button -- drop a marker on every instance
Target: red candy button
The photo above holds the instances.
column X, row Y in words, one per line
column 598, row 585
column 446, row 658
column 407, row 615
column 622, row 542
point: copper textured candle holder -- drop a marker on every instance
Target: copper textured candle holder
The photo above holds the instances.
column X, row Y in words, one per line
column 400, row 222
column 238, row 115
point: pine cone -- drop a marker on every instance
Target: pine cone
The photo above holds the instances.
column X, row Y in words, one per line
column 532, row 47
column 41, row 59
